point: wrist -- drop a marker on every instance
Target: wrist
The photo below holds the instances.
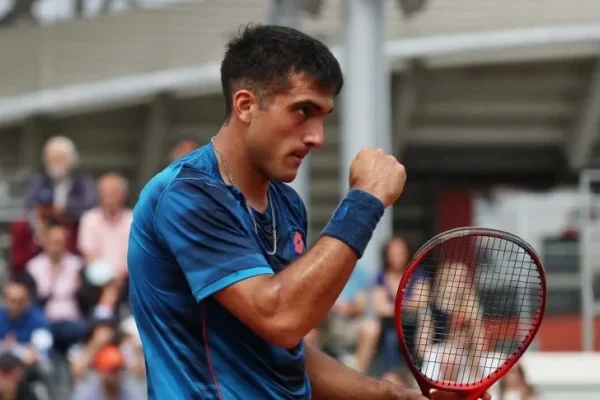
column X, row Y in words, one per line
column 355, row 220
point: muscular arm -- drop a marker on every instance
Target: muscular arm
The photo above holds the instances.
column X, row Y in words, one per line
column 331, row 380
column 202, row 226
column 284, row 307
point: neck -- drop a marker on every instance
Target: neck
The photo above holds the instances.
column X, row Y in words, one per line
column 111, row 215
column 252, row 183
column 110, row 391
column 54, row 259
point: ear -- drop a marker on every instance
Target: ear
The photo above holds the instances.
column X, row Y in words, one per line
column 244, row 105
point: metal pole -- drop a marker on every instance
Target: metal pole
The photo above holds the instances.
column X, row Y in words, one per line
column 384, row 108
column 365, row 104
column 285, row 13
column 585, row 267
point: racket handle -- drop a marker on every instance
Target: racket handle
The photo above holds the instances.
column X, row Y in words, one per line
column 476, row 394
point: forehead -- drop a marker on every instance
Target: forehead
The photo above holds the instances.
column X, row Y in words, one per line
column 14, row 290
column 305, row 88
column 57, row 230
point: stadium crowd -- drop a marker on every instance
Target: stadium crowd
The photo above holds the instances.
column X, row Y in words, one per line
column 65, row 327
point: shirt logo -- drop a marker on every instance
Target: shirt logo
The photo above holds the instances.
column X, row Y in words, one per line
column 298, row 243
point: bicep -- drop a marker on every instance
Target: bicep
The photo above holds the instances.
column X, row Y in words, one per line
column 253, row 301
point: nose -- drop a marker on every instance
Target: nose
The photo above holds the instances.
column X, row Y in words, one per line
column 315, row 136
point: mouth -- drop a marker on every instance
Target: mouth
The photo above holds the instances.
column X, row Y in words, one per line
column 299, row 155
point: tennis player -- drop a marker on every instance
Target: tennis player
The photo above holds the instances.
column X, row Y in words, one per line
column 221, row 285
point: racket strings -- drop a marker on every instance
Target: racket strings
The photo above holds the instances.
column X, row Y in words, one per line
column 479, row 303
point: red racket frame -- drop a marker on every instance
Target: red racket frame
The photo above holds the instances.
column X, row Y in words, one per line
column 472, row 391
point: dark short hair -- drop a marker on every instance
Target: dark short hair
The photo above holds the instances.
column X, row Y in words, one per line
column 262, row 57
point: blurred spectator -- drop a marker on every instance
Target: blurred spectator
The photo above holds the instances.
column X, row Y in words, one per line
column 81, row 355
column 183, row 145
column 131, row 345
column 346, row 314
column 461, row 356
column 104, row 230
column 24, row 329
column 13, row 380
column 109, row 380
column 514, row 385
column 400, row 376
column 56, row 274
column 61, row 189
column 380, row 328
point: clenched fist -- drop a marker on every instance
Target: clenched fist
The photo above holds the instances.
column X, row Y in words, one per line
column 378, row 174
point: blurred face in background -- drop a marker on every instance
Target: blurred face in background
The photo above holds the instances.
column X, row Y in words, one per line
column 112, row 194
column 57, row 160
column 461, row 334
column 56, row 242
column 16, row 299
column 397, row 255
column 181, row 148
column 10, row 378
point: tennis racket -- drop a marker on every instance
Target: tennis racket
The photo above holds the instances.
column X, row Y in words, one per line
column 469, row 304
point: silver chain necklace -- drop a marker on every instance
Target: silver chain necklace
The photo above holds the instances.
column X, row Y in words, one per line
column 230, row 177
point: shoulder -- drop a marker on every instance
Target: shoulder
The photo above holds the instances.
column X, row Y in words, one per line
column 194, row 189
column 81, row 176
column 73, row 261
column 37, row 263
column 127, row 215
column 91, row 215
column 38, row 178
column 195, row 176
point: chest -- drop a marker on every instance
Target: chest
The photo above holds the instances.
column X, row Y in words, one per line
column 58, row 280
column 288, row 239
column 21, row 329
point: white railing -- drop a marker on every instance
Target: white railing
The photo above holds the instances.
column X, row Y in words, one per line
column 563, row 376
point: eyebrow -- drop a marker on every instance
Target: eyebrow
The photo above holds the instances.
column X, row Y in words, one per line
column 311, row 103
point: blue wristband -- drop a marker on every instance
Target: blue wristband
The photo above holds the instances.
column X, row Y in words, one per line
column 355, row 219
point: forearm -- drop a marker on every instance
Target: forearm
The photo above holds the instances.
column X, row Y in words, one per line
column 306, row 290
column 331, row 380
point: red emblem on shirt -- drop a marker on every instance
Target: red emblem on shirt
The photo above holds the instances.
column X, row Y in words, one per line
column 298, row 243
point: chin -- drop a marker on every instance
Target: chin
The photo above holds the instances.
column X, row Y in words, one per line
column 286, row 176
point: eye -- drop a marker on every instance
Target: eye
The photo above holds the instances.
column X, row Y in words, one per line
column 303, row 110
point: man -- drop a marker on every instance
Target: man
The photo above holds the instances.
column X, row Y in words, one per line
column 14, row 383
column 221, row 286
column 104, row 230
column 109, row 380
column 23, row 327
column 70, row 191
column 56, row 274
